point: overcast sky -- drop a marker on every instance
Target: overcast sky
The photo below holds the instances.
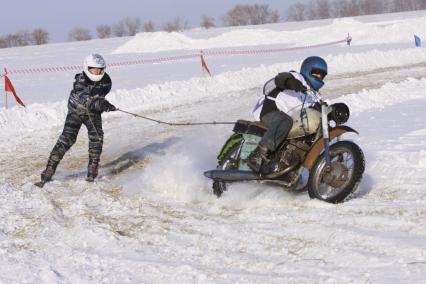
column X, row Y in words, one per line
column 58, row 17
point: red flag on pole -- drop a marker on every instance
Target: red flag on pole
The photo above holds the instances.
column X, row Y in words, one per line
column 203, row 63
column 8, row 87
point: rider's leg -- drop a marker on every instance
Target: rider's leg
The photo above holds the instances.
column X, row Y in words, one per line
column 279, row 125
column 96, row 135
column 64, row 143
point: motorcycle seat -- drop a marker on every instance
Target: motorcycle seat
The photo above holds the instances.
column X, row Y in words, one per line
column 250, row 127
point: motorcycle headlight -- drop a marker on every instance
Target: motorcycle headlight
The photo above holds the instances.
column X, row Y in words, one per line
column 340, row 113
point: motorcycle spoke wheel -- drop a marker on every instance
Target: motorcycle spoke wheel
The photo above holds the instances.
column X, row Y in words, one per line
column 341, row 179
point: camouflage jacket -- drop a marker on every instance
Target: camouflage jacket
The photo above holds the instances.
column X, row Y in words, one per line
column 88, row 96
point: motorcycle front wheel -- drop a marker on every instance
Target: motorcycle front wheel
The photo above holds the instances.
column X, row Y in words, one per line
column 335, row 184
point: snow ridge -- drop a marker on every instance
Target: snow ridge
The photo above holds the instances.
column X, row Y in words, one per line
column 172, row 93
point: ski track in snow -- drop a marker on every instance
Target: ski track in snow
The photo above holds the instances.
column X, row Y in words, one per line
column 151, row 216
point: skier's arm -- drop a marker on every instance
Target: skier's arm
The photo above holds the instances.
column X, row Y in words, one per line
column 105, row 86
column 81, row 93
column 91, row 97
column 100, row 104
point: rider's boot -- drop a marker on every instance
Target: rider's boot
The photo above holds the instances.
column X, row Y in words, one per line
column 257, row 157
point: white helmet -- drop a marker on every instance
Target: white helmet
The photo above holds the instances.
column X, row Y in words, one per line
column 97, row 61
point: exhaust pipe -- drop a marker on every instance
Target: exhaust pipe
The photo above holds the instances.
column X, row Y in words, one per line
column 232, row 175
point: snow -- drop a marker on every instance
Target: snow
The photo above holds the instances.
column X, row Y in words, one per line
column 382, row 32
column 151, row 216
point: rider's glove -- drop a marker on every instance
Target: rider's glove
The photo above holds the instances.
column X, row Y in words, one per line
column 317, row 106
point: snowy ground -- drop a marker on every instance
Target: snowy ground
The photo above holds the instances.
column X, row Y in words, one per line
column 151, row 217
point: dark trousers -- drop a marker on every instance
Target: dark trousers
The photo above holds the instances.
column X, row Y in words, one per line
column 279, row 125
column 73, row 122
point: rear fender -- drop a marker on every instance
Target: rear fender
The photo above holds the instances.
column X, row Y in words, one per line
column 231, row 142
column 317, row 148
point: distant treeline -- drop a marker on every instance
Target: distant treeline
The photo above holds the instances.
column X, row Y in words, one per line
column 239, row 15
column 36, row 37
column 324, row 9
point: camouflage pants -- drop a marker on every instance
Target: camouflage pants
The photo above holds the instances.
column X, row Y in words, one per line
column 73, row 122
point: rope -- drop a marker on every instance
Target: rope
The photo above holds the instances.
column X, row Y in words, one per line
column 176, row 124
column 93, row 124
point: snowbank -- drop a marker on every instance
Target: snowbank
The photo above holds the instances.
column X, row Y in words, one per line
column 173, row 93
column 389, row 94
column 383, row 32
column 163, row 41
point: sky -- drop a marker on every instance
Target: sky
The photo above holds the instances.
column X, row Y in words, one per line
column 59, row 17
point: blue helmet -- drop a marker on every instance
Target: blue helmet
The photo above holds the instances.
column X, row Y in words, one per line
column 314, row 69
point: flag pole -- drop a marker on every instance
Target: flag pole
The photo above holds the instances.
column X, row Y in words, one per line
column 5, row 92
column 5, row 99
column 9, row 88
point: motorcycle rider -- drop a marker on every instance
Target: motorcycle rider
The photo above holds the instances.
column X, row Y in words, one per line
column 85, row 105
column 282, row 96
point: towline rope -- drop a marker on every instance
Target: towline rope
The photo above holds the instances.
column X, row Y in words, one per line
column 177, row 124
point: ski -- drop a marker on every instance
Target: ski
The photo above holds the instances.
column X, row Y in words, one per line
column 90, row 179
column 40, row 183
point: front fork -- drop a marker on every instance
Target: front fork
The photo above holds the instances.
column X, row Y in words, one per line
column 325, row 110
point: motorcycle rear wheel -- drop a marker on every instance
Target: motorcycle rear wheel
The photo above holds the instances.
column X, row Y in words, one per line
column 230, row 161
column 347, row 167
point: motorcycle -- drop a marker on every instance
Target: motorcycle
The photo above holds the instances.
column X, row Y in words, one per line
column 313, row 147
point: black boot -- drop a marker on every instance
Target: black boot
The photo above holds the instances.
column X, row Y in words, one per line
column 257, row 157
column 92, row 172
column 47, row 174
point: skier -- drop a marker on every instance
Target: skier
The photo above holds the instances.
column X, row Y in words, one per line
column 283, row 95
column 85, row 105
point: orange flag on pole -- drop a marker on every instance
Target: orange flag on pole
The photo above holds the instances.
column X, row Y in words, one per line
column 203, row 63
column 8, row 87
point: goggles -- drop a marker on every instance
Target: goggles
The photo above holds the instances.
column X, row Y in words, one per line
column 318, row 74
